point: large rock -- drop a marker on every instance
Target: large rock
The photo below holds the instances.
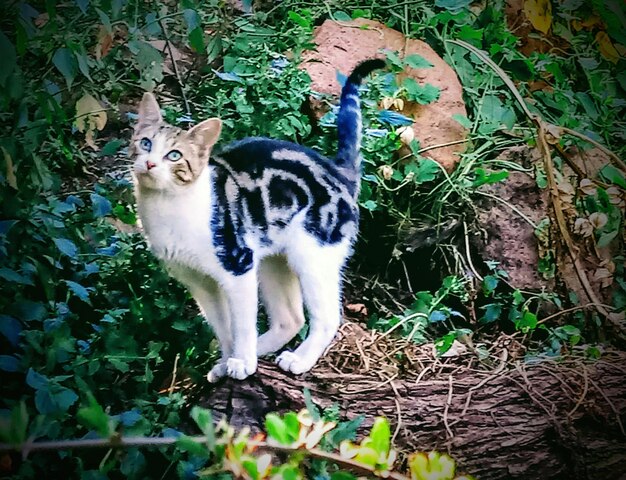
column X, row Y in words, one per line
column 341, row 46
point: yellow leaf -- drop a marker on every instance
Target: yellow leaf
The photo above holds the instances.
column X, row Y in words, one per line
column 607, row 49
column 90, row 116
column 539, row 12
column 10, row 174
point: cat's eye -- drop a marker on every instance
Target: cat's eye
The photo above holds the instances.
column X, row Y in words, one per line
column 145, row 144
column 174, row 156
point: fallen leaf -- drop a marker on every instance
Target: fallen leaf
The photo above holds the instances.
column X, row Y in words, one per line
column 9, row 173
column 553, row 134
column 583, row 227
column 407, row 134
column 603, row 276
column 587, row 187
column 358, row 307
column 386, row 103
column 587, row 24
column 616, row 196
column 455, row 350
column 104, row 43
column 539, row 13
column 41, row 20
column 385, row 171
column 176, row 56
column 90, row 116
column 598, row 220
column 607, row 50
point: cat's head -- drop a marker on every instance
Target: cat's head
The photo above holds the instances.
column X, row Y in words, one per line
column 169, row 158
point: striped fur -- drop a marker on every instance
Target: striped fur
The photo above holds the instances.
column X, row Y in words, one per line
column 266, row 216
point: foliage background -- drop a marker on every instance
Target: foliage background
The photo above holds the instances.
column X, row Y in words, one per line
column 87, row 310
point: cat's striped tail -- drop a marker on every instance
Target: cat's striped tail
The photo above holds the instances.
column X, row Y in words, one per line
column 349, row 118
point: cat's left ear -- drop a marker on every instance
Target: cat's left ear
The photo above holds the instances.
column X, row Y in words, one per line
column 207, row 132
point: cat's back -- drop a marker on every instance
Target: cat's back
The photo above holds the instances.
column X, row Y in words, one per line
column 259, row 158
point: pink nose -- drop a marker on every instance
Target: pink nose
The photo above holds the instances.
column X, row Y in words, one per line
column 150, row 165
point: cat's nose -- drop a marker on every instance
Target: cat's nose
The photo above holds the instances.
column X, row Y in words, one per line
column 150, row 165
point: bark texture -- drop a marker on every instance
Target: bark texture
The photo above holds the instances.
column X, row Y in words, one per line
column 542, row 420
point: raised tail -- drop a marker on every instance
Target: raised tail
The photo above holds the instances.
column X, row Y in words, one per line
column 349, row 117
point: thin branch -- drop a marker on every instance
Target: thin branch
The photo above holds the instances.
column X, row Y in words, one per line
column 122, row 442
column 168, row 44
column 601, row 147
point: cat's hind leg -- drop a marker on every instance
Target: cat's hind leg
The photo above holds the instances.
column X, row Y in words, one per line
column 282, row 297
column 319, row 269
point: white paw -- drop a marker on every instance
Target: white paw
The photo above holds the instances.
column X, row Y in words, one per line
column 291, row 362
column 218, row 371
column 240, row 369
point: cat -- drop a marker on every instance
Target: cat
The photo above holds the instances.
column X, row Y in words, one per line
column 258, row 216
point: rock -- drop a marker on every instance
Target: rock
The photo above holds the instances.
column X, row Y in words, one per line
column 341, row 46
column 510, row 239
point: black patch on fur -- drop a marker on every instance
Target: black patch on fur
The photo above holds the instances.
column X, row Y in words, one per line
column 322, row 192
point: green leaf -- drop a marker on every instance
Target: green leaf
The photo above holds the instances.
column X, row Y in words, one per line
column 204, row 420
column 65, row 62
column 192, row 19
column 417, row 61
column 251, row 468
column 14, row 428
column 345, row 431
column 196, row 39
column 186, row 444
column 463, row 120
column 370, row 205
column 9, row 363
column 492, row 313
column 111, row 148
column 66, row 247
column 452, row 5
column 298, row 19
column 381, row 436
column 119, row 365
column 342, row 476
column 606, row 238
column 94, row 417
column 101, row 206
column 421, row 94
column 83, row 65
column 493, row 177
column 78, row 290
column 342, row 16
column 105, row 20
column 9, row 58
column 310, row 405
column 527, row 322
column 394, row 60
column 426, row 170
column 277, row 429
column 54, row 399
column 613, row 175
column 36, row 380
column 83, row 5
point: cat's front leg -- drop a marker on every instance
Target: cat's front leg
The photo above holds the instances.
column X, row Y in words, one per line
column 242, row 298
column 213, row 303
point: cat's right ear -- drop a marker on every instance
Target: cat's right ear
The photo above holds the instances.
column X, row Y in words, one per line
column 149, row 111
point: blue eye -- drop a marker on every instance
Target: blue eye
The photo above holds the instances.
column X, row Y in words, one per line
column 145, row 144
column 174, row 155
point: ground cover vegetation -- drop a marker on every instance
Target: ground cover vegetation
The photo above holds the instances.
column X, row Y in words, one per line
column 98, row 343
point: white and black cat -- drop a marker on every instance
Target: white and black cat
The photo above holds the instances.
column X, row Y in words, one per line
column 260, row 215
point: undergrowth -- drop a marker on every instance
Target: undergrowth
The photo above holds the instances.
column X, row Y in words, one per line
column 88, row 316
